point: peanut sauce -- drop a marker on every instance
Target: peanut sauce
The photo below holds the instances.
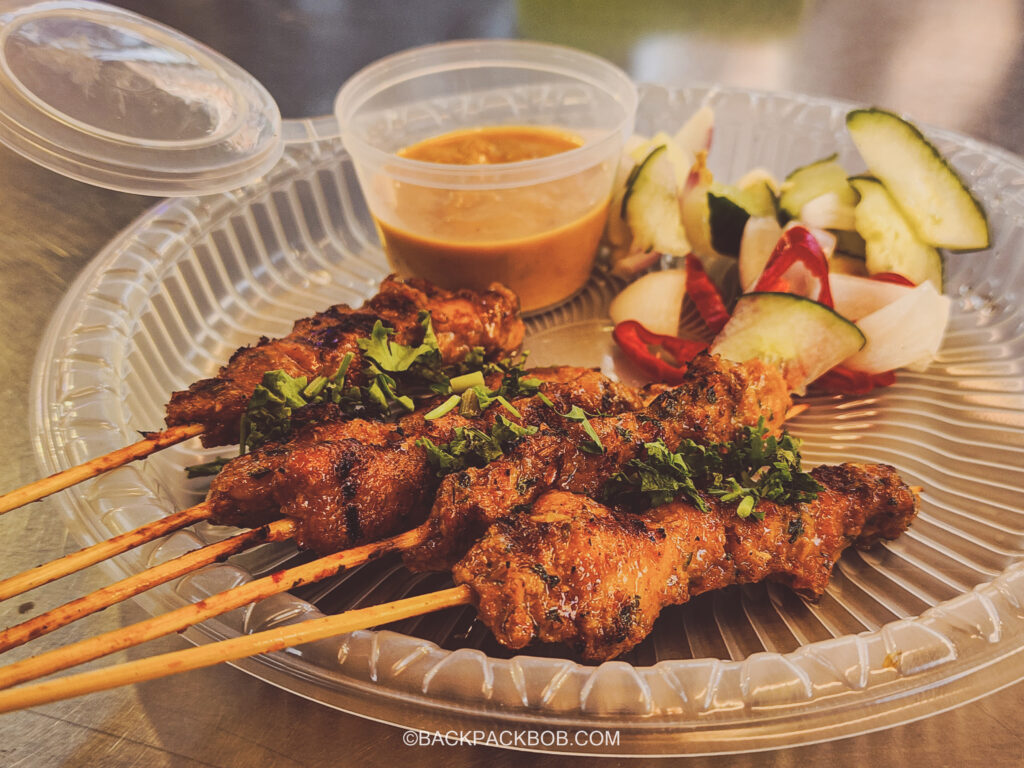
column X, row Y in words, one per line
column 539, row 240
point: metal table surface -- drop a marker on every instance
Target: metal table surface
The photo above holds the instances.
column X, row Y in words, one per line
column 953, row 64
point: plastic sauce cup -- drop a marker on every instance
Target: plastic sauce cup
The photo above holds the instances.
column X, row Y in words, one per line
column 532, row 224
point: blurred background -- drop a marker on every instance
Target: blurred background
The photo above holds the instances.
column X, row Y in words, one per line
column 950, row 63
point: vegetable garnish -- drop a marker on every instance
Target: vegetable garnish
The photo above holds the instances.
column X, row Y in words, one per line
column 593, row 444
column 705, row 295
column 208, row 469
column 796, row 246
column 472, row 447
column 269, row 413
column 637, row 343
column 841, row 380
column 893, row 277
column 758, row 466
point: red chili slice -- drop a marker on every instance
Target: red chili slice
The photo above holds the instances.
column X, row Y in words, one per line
column 637, row 343
column 705, row 295
column 893, row 277
column 797, row 244
column 846, row 381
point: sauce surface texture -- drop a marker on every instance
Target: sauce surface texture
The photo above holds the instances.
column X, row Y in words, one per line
column 540, row 239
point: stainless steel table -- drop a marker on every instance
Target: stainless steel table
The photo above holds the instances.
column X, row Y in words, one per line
column 953, row 64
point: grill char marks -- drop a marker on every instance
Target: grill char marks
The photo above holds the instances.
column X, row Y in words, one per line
column 349, row 481
column 558, row 458
column 574, row 571
column 317, row 345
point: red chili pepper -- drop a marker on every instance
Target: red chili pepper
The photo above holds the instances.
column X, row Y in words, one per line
column 846, row 381
column 636, row 342
column 893, row 277
column 705, row 295
column 797, row 244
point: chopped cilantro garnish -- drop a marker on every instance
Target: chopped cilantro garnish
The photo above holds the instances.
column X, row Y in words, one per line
column 756, row 466
column 208, row 469
column 472, row 447
column 594, row 444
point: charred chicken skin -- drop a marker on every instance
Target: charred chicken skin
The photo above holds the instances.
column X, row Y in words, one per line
column 574, row 571
column 349, row 481
column 715, row 403
column 317, row 345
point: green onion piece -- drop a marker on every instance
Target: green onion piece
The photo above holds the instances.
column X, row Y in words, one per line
column 446, row 407
column 508, row 407
column 461, row 383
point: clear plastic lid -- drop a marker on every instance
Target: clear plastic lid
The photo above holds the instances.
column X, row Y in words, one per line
column 114, row 99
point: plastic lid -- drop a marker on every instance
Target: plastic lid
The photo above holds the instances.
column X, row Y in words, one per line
column 114, row 99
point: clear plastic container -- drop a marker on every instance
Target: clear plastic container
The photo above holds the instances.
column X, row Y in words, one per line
column 905, row 630
column 532, row 224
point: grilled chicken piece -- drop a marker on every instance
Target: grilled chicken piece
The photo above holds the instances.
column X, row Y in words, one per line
column 717, row 400
column 317, row 345
column 575, row 571
column 347, row 481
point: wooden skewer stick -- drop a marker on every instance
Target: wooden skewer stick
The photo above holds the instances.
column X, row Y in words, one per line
column 83, row 558
column 73, row 475
column 45, row 623
column 230, row 650
column 188, row 615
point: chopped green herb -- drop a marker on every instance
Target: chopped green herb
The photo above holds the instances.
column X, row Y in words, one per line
column 755, row 467
column 549, row 579
column 208, row 469
column 395, row 358
column 594, row 444
column 472, row 447
column 460, row 384
column 444, row 408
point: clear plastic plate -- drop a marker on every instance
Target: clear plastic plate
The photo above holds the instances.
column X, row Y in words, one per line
column 904, row 631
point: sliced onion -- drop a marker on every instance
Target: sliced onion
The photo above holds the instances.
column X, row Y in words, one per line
column 857, row 297
column 827, row 212
column 760, row 235
column 655, row 301
column 906, row 332
column 695, row 135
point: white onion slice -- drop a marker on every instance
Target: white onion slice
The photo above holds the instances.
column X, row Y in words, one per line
column 905, row 332
column 827, row 212
column 857, row 297
column 655, row 301
column 760, row 236
column 695, row 135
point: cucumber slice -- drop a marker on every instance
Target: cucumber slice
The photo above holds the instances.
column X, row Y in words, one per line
column 889, row 242
column 850, row 243
column 804, row 338
column 730, row 208
column 726, row 218
column 808, row 182
column 934, row 198
column 651, row 206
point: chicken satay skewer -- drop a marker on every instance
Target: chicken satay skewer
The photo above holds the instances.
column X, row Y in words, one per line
column 211, row 408
column 727, row 378
column 566, row 385
column 593, row 391
column 854, row 510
